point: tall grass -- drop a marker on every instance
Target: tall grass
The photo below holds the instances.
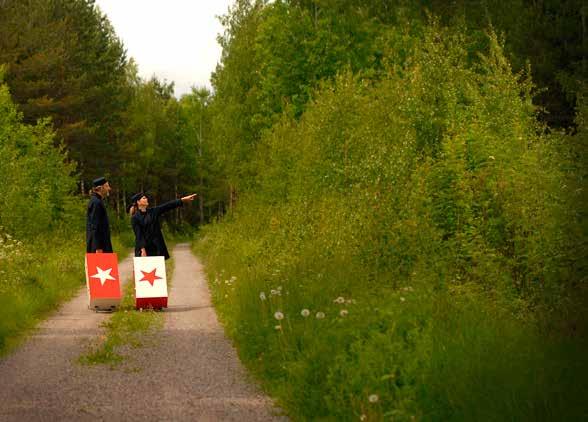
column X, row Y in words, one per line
column 36, row 277
column 422, row 349
column 412, row 249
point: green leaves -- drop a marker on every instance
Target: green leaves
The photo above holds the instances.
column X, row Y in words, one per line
column 36, row 180
column 65, row 62
column 433, row 196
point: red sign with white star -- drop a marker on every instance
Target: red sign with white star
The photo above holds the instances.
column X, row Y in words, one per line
column 102, row 280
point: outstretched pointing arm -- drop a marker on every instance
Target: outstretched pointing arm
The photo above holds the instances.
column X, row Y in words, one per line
column 168, row 206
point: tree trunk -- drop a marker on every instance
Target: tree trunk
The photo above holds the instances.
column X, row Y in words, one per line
column 118, row 203
column 201, row 202
column 201, row 199
column 232, row 197
column 584, row 33
column 177, row 209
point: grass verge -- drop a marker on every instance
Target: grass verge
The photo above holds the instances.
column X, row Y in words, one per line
column 35, row 279
column 327, row 345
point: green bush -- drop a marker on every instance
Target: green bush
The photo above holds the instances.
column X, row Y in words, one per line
column 447, row 221
column 36, row 185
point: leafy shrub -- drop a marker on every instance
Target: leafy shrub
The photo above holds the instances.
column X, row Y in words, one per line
column 436, row 207
column 36, row 181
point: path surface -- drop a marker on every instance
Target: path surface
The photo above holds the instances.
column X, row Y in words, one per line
column 191, row 373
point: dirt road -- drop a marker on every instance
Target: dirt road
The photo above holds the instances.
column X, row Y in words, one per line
column 191, row 372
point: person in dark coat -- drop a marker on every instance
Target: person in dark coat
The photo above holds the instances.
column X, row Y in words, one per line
column 145, row 221
column 97, row 227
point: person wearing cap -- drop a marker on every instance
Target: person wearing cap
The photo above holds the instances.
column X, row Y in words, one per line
column 97, row 226
column 145, row 221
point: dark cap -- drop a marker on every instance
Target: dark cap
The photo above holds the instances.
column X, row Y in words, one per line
column 137, row 196
column 99, row 182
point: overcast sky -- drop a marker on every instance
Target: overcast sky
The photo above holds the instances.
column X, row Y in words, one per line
column 172, row 39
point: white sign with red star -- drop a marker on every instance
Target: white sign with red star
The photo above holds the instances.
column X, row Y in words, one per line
column 102, row 281
column 150, row 282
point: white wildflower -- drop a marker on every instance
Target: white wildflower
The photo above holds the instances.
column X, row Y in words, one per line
column 373, row 398
column 339, row 300
column 363, row 417
column 320, row 315
column 262, row 295
column 278, row 327
column 279, row 316
column 305, row 313
column 402, row 299
column 343, row 312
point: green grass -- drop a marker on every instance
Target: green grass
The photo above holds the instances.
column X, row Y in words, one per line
column 127, row 329
column 35, row 279
column 421, row 351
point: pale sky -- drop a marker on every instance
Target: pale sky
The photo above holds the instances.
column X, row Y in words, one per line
column 172, row 39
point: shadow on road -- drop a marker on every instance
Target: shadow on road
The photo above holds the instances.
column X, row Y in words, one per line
column 185, row 308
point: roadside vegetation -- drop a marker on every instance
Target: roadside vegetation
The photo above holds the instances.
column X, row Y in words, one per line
column 409, row 243
column 396, row 194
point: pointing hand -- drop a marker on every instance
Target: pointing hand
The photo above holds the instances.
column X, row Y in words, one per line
column 189, row 197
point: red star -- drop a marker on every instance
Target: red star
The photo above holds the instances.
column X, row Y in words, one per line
column 150, row 276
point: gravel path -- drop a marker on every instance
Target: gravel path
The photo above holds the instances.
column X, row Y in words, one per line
column 190, row 373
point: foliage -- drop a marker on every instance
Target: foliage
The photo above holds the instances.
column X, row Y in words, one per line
column 36, row 181
column 65, row 62
column 199, row 151
column 275, row 54
column 33, row 279
column 434, row 222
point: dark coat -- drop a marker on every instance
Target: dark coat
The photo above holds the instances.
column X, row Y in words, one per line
column 148, row 230
column 97, row 226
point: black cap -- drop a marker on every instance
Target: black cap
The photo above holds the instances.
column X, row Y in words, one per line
column 99, row 182
column 137, row 196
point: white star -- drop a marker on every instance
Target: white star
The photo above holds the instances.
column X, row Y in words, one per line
column 103, row 275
